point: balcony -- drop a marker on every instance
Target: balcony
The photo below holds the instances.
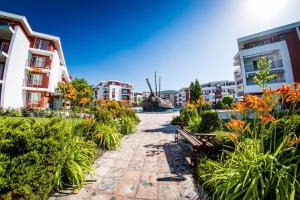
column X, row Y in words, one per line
column 4, row 46
column 44, row 65
column 126, row 92
column 277, row 64
column 39, row 84
column 6, row 30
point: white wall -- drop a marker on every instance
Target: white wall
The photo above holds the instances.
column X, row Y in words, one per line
column 55, row 73
column 284, row 53
column 12, row 89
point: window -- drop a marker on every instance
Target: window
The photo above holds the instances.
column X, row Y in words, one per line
column 41, row 44
column 33, row 97
column 35, row 79
column 37, row 61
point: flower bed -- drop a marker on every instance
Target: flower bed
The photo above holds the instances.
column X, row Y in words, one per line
column 42, row 154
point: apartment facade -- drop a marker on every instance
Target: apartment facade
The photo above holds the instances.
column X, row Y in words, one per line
column 281, row 45
column 168, row 95
column 225, row 88
column 114, row 90
column 182, row 96
column 239, row 87
column 31, row 64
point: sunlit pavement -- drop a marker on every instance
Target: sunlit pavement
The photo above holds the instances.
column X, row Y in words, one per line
column 148, row 165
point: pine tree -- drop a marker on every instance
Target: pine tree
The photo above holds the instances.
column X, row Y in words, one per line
column 197, row 90
column 192, row 89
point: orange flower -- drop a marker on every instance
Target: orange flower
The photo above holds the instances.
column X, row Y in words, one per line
column 235, row 124
column 293, row 141
column 266, row 118
column 284, row 91
column 241, row 107
column 84, row 100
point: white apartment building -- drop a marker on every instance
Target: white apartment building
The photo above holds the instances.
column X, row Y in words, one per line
column 182, row 96
column 114, row 90
column 31, row 64
column 281, row 45
column 209, row 90
column 239, row 87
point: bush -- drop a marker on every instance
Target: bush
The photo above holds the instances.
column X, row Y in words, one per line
column 219, row 105
column 103, row 116
column 126, row 124
column 194, row 124
column 107, row 137
column 227, row 101
column 210, row 122
column 33, row 154
column 176, row 120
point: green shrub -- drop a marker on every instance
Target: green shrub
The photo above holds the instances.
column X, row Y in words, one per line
column 107, row 136
column 126, row 124
column 219, row 105
column 176, row 120
column 227, row 101
column 80, row 155
column 210, row 122
column 250, row 173
column 33, row 154
column 187, row 113
column 194, row 124
column 103, row 116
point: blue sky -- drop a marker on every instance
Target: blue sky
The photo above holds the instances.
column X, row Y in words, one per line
column 131, row 39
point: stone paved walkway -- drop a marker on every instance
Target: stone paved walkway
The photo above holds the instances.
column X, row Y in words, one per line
column 148, row 165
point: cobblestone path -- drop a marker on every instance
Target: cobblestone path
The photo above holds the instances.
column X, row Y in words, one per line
column 148, row 165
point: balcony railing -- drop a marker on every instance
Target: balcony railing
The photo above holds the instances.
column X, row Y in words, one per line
column 38, row 64
column 249, row 67
column 4, row 46
column 33, row 83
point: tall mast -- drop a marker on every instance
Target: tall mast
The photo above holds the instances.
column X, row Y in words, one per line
column 159, row 86
column 155, row 84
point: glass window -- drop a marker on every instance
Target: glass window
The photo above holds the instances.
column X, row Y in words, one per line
column 37, row 61
column 41, row 44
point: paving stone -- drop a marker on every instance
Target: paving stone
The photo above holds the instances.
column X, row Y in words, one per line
column 147, row 165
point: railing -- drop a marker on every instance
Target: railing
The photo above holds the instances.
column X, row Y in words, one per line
column 38, row 64
column 125, row 92
column 33, row 83
column 4, row 46
column 249, row 67
column 33, row 104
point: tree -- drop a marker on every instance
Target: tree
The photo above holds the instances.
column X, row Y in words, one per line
column 195, row 91
column 227, row 101
column 84, row 92
column 263, row 76
column 192, row 88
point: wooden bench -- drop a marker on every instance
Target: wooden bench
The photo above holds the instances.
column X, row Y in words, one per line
column 198, row 141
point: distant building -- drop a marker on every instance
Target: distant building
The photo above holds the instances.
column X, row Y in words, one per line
column 114, row 90
column 227, row 88
column 168, row 95
column 239, row 88
column 31, row 65
column 281, row 45
column 182, row 97
column 138, row 98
